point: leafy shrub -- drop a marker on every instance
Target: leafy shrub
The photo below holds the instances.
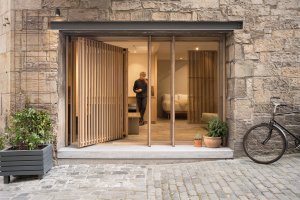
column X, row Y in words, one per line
column 217, row 128
column 30, row 128
column 2, row 142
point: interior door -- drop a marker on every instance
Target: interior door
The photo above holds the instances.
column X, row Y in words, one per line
column 101, row 109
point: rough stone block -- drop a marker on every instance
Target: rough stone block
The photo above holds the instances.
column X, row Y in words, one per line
column 126, row 5
column 297, row 33
column 177, row 16
column 236, row 10
column 271, row 2
column 242, row 69
column 230, row 56
column 83, row 15
column 266, row 69
column 288, row 4
column 264, row 57
column 240, row 89
column 160, row 16
column 60, row 3
column 27, row 4
column 200, row 3
column 242, row 37
column 214, row 15
column 103, row 15
column 169, row 6
column 120, row 16
column 284, row 57
column 290, row 72
column 282, row 33
column 150, row 4
column 252, row 56
column 268, row 45
column 238, row 51
column 256, row 1
column 294, row 84
column 244, row 109
column 100, row 4
column 35, row 85
column 141, row 15
column 263, row 10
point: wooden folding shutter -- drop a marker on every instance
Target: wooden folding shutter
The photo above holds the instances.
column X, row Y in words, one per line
column 100, row 92
column 202, row 84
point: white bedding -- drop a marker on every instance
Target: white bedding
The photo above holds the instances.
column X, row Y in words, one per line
column 181, row 103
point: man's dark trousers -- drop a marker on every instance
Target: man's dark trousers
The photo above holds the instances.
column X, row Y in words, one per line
column 142, row 104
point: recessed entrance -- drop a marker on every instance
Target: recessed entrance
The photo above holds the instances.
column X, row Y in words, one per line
column 185, row 89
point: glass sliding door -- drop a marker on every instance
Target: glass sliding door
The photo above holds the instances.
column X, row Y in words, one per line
column 161, row 62
column 196, row 87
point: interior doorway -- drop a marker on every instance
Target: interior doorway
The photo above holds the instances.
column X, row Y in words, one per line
column 185, row 89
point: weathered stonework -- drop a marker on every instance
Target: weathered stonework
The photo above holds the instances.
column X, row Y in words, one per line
column 262, row 59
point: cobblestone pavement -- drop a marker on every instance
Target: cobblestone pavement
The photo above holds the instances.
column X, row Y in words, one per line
column 222, row 179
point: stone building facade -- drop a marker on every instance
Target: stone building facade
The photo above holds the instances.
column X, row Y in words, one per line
column 262, row 59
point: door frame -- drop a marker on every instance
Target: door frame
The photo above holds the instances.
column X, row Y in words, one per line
column 173, row 39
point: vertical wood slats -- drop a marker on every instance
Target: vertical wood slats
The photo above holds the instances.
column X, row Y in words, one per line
column 202, row 84
column 100, row 92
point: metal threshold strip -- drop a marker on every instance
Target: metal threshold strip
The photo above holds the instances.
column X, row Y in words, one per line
column 145, row 27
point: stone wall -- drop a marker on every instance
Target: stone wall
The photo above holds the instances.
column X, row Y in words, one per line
column 5, row 62
column 262, row 59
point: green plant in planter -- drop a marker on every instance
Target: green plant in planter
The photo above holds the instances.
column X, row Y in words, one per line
column 217, row 128
column 2, row 142
column 29, row 129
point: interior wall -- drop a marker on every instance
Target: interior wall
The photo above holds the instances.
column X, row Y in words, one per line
column 163, row 80
column 136, row 63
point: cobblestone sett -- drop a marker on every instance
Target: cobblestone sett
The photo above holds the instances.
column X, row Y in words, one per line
column 222, row 179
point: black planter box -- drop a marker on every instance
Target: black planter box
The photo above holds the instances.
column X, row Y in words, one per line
column 25, row 162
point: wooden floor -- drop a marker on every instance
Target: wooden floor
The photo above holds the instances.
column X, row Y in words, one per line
column 160, row 133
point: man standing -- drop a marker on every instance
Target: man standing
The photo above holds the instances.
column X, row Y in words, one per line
column 140, row 88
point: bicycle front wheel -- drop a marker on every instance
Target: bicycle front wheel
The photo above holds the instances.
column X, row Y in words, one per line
column 264, row 143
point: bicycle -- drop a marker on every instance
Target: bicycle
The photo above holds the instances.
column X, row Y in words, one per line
column 265, row 143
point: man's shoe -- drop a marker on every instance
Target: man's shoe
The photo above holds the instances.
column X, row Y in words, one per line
column 141, row 123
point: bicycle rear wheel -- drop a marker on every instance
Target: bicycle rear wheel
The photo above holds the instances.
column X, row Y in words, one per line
column 264, row 144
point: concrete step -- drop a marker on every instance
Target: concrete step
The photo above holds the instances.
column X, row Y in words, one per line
column 144, row 152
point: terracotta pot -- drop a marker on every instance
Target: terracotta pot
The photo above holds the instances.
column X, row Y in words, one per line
column 212, row 142
column 197, row 143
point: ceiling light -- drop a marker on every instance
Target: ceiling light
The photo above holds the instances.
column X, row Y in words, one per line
column 180, row 58
column 197, row 48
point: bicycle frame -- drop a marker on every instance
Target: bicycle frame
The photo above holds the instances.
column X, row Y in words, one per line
column 278, row 125
column 283, row 129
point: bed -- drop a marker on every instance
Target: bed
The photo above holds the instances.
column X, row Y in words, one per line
column 181, row 103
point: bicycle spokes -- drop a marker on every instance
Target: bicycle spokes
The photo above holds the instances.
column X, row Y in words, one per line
column 268, row 137
column 264, row 144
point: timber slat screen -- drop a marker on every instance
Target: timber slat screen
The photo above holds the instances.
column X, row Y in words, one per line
column 100, row 92
column 202, row 84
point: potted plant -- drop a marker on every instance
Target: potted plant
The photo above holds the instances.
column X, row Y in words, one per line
column 30, row 152
column 216, row 130
column 198, row 140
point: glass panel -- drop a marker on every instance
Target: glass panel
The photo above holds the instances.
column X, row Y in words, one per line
column 161, row 64
column 196, row 91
